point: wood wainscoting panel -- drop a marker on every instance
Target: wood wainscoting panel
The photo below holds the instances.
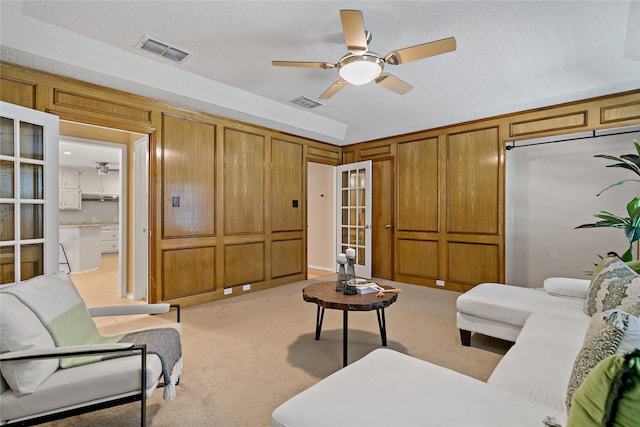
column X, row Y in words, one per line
column 619, row 113
column 321, row 155
column 368, row 153
column 244, row 263
column 188, row 177
column 80, row 102
column 286, row 257
column 473, row 263
column 188, row 271
column 287, row 194
column 558, row 123
column 18, row 92
column 244, row 185
column 418, row 186
column 417, row 258
column 473, row 182
column 348, row 157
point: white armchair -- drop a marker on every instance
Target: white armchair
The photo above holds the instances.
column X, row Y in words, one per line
column 39, row 315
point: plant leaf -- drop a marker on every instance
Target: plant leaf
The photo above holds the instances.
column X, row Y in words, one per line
column 617, row 183
column 632, row 168
column 628, row 255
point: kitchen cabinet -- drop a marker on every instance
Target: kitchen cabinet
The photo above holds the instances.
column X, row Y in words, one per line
column 94, row 183
column 69, row 189
column 111, row 183
column 110, row 238
column 69, row 199
column 69, row 178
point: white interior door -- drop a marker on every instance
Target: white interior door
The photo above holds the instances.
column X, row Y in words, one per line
column 141, row 215
column 354, row 213
column 28, row 193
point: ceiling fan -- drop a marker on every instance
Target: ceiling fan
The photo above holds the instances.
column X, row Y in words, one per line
column 103, row 168
column 361, row 66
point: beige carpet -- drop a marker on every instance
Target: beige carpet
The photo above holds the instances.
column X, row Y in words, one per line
column 246, row 355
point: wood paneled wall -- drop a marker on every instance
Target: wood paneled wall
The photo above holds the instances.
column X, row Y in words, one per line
column 449, row 187
column 242, row 218
column 227, row 199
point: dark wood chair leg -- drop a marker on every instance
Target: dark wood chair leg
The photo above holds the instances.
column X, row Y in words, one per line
column 465, row 337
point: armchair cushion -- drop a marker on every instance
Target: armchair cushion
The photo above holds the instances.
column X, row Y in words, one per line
column 21, row 329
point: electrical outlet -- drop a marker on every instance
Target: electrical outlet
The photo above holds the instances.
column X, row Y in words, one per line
column 246, row 287
column 227, row 291
column 440, row 282
column 553, row 254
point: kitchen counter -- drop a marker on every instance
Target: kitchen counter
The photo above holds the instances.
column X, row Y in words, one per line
column 85, row 224
column 82, row 245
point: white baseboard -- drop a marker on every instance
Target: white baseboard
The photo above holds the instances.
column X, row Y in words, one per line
column 317, row 267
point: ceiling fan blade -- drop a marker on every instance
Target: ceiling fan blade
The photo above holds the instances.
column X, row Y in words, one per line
column 333, row 89
column 421, row 51
column 324, row 65
column 391, row 82
column 355, row 36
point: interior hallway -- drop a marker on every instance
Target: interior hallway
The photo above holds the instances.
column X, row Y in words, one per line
column 100, row 287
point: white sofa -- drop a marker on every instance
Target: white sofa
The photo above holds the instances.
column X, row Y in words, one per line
column 501, row 311
column 528, row 386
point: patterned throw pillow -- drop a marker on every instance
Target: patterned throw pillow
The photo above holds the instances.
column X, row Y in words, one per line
column 614, row 285
column 632, row 308
column 601, row 341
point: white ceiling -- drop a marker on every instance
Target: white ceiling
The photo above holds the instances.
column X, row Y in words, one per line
column 82, row 154
column 510, row 56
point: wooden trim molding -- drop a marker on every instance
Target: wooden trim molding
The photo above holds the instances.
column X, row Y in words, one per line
column 620, row 112
column 95, row 105
column 384, row 150
column 549, row 124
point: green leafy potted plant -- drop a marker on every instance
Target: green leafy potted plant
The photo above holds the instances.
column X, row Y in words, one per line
column 631, row 223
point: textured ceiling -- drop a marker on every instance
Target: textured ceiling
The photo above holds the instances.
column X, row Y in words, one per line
column 511, row 56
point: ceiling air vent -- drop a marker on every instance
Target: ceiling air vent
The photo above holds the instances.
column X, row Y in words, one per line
column 305, row 102
column 162, row 49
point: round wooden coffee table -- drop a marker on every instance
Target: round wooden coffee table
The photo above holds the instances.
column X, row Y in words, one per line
column 324, row 294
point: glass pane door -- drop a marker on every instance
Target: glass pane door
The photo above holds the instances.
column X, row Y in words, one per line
column 28, row 193
column 354, row 213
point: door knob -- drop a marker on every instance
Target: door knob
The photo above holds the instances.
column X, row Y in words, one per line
column 387, row 226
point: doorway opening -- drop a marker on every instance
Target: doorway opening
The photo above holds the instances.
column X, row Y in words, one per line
column 93, row 147
column 321, row 224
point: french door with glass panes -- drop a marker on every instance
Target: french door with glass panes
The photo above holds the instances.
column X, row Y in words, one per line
column 354, row 213
column 28, row 193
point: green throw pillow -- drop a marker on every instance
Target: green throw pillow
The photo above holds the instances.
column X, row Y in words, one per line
column 614, row 285
column 609, row 395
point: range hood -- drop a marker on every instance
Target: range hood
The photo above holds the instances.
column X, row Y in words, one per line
column 100, row 197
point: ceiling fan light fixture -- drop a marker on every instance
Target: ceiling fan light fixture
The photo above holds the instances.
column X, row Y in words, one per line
column 102, row 168
column 360, row 69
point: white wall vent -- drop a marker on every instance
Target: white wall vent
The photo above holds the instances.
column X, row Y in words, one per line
column 305, row 102
column 163, row 49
